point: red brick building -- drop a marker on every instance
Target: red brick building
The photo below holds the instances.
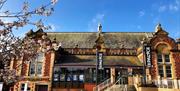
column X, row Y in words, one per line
column 72, row 63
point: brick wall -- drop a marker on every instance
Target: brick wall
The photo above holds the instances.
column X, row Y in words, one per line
column 176, row 57
column 47, row 64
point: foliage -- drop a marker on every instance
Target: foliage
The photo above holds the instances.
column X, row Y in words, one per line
column 13, row 48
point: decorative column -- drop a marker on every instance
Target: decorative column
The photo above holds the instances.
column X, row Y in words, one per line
column 112, row 75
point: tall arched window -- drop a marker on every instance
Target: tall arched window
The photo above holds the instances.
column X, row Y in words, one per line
column 35, row 68
column 163, row 61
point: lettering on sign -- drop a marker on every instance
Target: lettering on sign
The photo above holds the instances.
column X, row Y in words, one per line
column 148, row 56
column 100, row 60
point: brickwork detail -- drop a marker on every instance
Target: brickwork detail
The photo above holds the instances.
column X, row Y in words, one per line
column 164, row 39
column 24, row 69
column 47, row 64
column 154, row 68
column 176, row 57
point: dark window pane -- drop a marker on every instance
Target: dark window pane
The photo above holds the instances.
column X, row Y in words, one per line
column 22, row 87
column 168, row 70
column 159, row 58
column 32, row 69
column 39, row 68
column 160, row 70
column 56, row 76
column 169, row 75
column 62, row 77
column 69, row 77
column 167, row 58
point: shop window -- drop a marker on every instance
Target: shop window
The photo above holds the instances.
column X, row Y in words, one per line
column 62, row 77
column 36, row 65
column 76, row 77
column 81, row 77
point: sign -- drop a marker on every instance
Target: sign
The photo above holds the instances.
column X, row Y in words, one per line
column 148, row 56
column 100, row 60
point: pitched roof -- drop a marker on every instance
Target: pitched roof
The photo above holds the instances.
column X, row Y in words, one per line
column 90, row 60
column 111, row 39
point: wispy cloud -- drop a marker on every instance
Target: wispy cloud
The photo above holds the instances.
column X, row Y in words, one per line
column 173, row 6
column 141, row 13
column 162, row 8
column 98, row 18
column 54, row 28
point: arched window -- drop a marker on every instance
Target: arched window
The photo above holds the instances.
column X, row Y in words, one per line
column 164, row 62
column 35, row 68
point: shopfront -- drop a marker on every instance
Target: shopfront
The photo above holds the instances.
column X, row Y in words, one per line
column 76, row 77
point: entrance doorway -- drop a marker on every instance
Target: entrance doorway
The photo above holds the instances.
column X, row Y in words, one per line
column 41, row 88
column 122, row 74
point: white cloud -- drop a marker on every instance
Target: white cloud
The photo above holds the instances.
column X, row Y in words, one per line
column 141, row 13
column 162, row 8
column 173, row 6
column 98, row 18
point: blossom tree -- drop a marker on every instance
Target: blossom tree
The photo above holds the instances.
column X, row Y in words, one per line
column 13, row 47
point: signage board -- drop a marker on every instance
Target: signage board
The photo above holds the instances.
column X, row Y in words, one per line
column 100, row 60
column 148, row 56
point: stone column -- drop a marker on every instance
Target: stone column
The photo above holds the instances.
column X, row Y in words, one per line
column 175, row 81
column 112, row 75
column 130, row 78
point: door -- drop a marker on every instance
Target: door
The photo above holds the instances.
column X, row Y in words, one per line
column 41, row 87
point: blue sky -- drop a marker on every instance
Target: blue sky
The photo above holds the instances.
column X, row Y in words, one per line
column 114, row 15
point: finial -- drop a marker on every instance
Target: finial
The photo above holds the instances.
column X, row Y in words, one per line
column 99, row 28
column 158, row 27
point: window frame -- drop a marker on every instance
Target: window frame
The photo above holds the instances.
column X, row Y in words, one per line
column 38, row 63
column 164, row 65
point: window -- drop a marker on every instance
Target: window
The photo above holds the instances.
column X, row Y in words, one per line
column 160, row 58
column 36, row 65
column 24, row 87
column 165, row 62
column 161, row 73
column 168, row 71
column 76, row 77
column 167, row 58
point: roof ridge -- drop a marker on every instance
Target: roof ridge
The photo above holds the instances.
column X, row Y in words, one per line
column 102, row 32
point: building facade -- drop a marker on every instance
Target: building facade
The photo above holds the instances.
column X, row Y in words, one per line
column 81, row 60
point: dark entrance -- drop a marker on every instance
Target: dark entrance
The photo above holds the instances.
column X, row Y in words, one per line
column 122, row 74
column 41, row 88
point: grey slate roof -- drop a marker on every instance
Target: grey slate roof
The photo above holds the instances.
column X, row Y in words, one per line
column 111, row 39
